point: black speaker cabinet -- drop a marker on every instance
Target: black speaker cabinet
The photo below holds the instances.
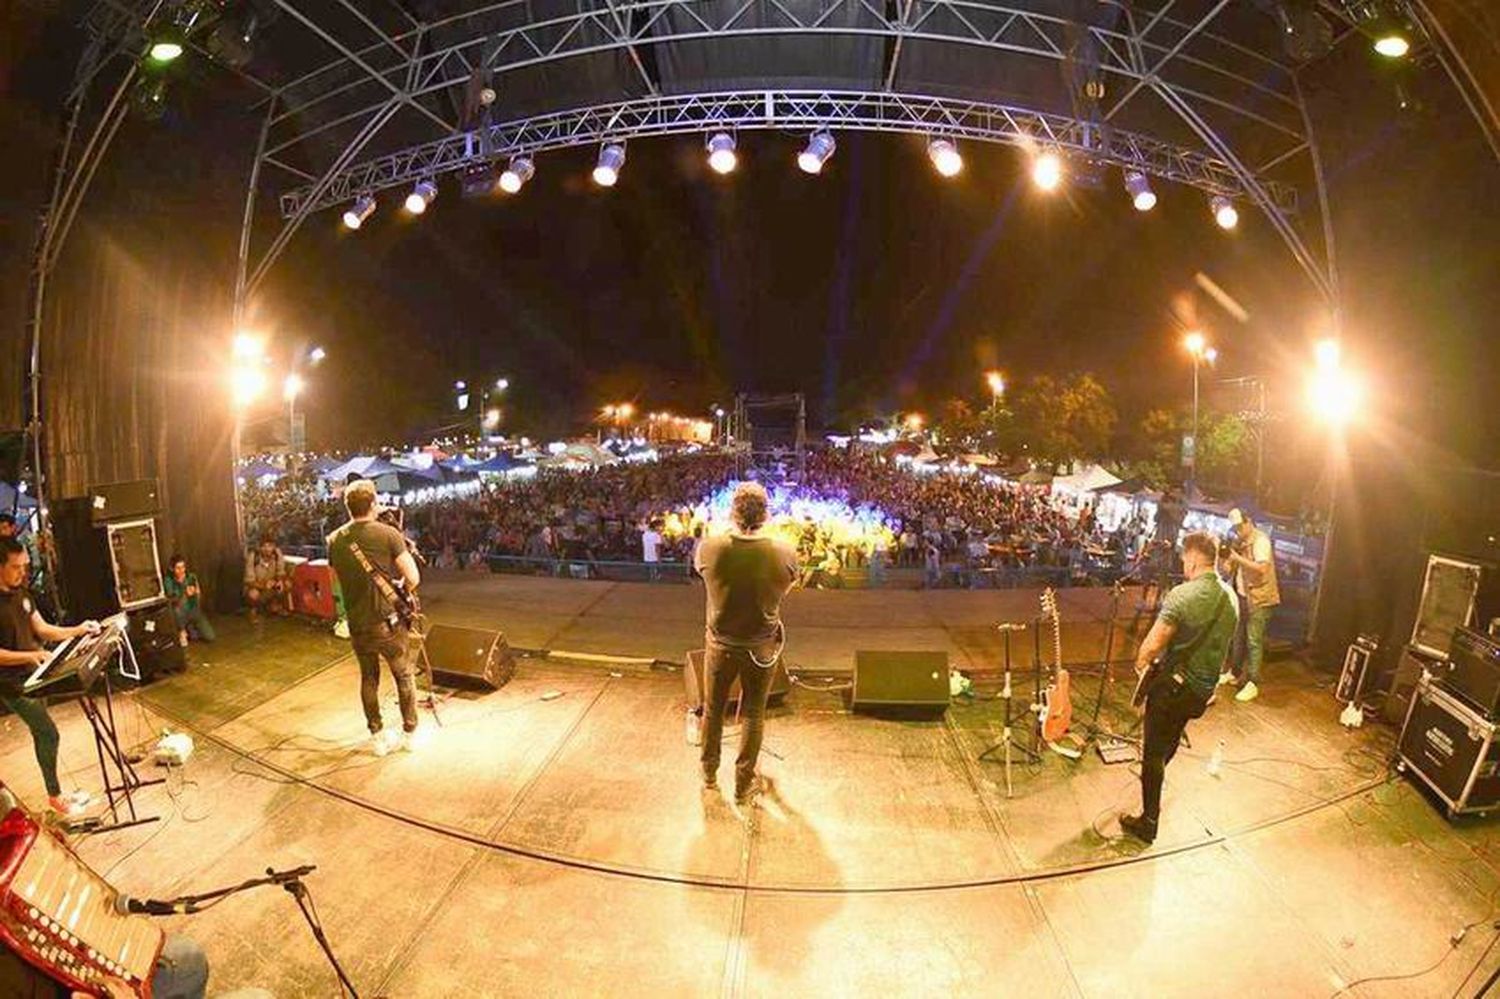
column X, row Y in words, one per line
column 153, row 635
column 1451, row 748
column 915, row 681
column 124, row 500
column 695, row 679
column 86, row 577
column 470, row 657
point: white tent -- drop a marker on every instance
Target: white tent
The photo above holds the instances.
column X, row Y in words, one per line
column 1085, row 478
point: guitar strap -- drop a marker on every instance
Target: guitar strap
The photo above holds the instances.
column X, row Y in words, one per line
column 382, row 583
column 1197, row 643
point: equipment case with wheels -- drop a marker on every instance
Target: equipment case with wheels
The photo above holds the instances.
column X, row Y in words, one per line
column 1451, row 748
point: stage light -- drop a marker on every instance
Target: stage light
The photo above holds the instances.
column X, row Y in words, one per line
column 722, row 158
column 945, row 157
column 1138, row 186
column 421, row 196
column 363, row 208
column 1047, row 171
column 1393, row 44
column 1196, row 343
column 167, row 45
column 292, row 387
column 611, row 159
column 1334, row 396
column 517, row 173
column 819, row 149
column 248, row 348
column 1326, row 352
column 246, row 385
column 1225, row 214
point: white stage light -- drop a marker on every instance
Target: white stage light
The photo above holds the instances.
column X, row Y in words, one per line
column 945, row 157
column 517, row 173
column 820, row 147
column 721, row 155
column 362, row 209
column 1138, row 186
column 611, row 159
column 421, row 196
column 1225, row 214
column 1047, row 171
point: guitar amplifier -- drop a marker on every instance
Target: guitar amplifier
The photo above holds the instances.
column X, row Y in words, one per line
column 1474, row 670
column 1451, row 748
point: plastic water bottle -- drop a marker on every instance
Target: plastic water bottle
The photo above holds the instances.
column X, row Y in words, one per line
column 1216, row 761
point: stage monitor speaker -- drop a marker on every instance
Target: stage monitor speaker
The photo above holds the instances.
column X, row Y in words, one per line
column 904, row 680
column 695, row 679
column 153, row 635
column 470, row 657
column 125, row 500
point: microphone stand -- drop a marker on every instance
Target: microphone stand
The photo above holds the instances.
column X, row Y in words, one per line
column 291, row 881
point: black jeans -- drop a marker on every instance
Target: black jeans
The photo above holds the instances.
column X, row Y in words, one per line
column 723, row 666
column 1168, row 710
column 393, row 646
column 43, row 734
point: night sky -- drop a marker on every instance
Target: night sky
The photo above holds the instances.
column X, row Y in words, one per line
column 874, row 287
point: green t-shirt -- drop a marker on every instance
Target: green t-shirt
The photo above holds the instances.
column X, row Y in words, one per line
column 382, row 545
column 1193, row 607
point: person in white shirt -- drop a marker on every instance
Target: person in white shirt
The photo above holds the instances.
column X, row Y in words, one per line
column 651, row 543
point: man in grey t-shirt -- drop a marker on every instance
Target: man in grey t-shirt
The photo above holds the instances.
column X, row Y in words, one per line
column 745, row 573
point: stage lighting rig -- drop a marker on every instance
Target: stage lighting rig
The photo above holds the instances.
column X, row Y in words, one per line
column 517, row 173
column 362, row 209
column 1047, row 170
column 1138, row 186
column 819, row 150
column 424, row 194
column 945, row 157
column 722, row 158
column 477, row 181
column 1225, row 214
column 611, row 159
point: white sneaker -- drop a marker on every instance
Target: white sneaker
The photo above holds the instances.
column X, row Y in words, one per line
column 1226, row 678
column 380, row 742
column 410, row 742
column 71, row 805
column 1248, row 692
column 694, row 728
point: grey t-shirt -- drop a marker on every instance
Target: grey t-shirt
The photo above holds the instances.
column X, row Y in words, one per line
column 745, row 576
column 382, row 545
column 1199, row 604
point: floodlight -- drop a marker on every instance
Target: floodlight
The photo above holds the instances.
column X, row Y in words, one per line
column 1196, row 343
column 421, row 196
column 362, row 209
column 819, row 150
column 1393, row 44
column 722, row 158
column 167, row 45
column 945, row 157
column 1225, row 214
column 611, row 159
column 1138, row 186
column 1047, row 171
column 517, row 173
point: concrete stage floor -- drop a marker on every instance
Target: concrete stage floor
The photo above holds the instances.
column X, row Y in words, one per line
column 562, row 847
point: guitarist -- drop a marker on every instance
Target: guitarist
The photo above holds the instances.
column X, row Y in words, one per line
column 370, row 559
column 1184, row 649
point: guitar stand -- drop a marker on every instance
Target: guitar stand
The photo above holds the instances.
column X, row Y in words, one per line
column 1008, row 740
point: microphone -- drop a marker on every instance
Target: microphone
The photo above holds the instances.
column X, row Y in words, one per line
column 125, row 905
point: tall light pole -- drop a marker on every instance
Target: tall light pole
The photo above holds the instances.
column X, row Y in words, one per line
column 1197, row 346
column 996, row 382
column 489, row 417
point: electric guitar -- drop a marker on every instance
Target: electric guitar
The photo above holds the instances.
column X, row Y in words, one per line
column 1146, row 681
column 1057, row 704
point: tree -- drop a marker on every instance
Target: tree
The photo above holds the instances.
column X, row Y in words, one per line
column 956, row 422
column 1066, row 420
column 1225, row 447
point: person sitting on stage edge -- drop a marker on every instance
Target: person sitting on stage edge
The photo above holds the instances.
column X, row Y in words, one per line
column 266, row 580
column 184, row 594
column 22, row 631
column 1251, row 559
column 373, row 630
column 746, row 573
column 1191, row 638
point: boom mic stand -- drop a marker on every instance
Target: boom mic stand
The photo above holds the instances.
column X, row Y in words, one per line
column 429, row 698
column 1111, row 746
column 291, row 881
column 1008, row 738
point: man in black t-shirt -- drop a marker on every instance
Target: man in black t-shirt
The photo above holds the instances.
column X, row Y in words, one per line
column 22, row 632
column 745, row 573
column 373, row 631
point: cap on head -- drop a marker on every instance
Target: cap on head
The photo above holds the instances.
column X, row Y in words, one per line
column 1236, row 518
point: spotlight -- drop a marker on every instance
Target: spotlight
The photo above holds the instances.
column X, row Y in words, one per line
column 167, row 45
column 945, row 157
column 1047, row 171
column 421, row 196
column 820, row 147
column 362, row 209
column 1138, row 186
column 1225, row 214
column 516, row 174
column 1393, row 45
column 722, row 158
column 611, row 159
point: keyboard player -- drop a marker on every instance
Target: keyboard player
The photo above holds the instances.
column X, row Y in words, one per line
column 22, row 632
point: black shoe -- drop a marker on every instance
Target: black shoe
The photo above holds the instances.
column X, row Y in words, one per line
column 1138, row 826
column 746, row 795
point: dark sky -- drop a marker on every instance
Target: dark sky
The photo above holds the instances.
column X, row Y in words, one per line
column 873, row 287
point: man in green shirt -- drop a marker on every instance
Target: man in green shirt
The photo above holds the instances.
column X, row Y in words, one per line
column 1191, row 637
column 183, row 593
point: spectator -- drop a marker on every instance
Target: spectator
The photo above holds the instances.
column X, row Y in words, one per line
column 266, row 580
column 183, row 593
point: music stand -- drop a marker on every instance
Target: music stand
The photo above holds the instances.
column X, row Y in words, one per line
column 1007, row 737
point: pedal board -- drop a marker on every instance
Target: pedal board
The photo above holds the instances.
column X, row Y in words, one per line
column 1117, row 751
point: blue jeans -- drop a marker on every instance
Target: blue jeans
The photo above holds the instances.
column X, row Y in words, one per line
column 1250, row 640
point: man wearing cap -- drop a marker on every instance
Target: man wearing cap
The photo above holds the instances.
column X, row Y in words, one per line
column 1251, row 560
column 368, row 558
